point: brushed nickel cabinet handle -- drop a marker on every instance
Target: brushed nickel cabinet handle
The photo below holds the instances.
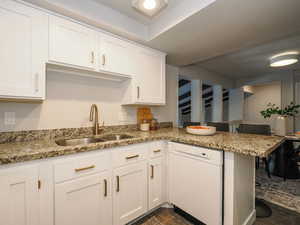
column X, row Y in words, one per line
column 93, row 57
column 157, row 151
column 152, row 172
column 85, row 168
column 118, row 184
column 105, row 188
column 132, row 157
column 103, row 60
column 138, row 92
column 36, row 82
column 39, row 184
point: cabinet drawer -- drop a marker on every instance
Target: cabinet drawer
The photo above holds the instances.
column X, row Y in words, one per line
column 81, row 166
column 130, row 154
column 204, row 154
column 156, row 149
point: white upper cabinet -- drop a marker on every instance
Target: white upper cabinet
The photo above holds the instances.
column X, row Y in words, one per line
column 24, row 49
column 71, row 44
column 151, row 78
column 148, row 86
column 115, row 56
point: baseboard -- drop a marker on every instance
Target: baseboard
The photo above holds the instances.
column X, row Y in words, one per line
column 251, row 218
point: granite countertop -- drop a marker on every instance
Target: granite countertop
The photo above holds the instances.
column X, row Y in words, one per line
column 247, row 144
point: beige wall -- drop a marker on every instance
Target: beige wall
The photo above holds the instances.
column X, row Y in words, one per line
column 263, row 94
column 69, row 99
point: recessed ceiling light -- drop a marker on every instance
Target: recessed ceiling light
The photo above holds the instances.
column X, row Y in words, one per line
column 284, row 59
column 149, row 4
column 149, row 7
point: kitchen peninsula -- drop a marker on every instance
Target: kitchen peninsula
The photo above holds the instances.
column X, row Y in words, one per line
column 48, row 170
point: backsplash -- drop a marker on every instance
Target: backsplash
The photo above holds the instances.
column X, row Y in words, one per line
column 31, row 135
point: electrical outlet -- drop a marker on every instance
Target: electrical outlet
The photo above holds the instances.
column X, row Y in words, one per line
column 9, row 118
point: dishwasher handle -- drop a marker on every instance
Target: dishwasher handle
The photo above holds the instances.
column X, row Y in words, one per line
column 201, row 155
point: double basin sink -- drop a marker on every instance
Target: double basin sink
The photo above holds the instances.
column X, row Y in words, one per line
column 90, row 140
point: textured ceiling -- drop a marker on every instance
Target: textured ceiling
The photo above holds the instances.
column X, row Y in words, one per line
column 253, row 61
column 228, row 26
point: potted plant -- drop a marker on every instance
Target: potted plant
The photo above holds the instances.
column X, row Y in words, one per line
column 289, row 111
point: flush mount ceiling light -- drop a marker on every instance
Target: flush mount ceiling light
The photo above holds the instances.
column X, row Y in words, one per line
column 284, row 59
column 149, row 7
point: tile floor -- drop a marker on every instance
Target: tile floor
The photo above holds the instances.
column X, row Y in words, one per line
column 165, row 216
column 275, row 190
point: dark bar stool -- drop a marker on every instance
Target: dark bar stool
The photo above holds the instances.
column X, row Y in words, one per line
column 185, row 124
column 219, row 126
column 262, row 209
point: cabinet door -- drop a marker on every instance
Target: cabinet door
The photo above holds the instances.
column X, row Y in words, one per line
column 195, row 186
column 23, row 54
column 115, row 56
column 130, row 192
column 19, row 196
column 150, row 78
column 71, row 43
column 85, row 200
column 155, row 182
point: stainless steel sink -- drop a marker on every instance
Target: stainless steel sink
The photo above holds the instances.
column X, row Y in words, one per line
column 84, row 141
column 79, row 141
column 116, row 137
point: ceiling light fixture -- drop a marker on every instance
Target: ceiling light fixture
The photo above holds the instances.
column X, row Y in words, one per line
column 284, row 59
column 149, row 8
column 149, row 4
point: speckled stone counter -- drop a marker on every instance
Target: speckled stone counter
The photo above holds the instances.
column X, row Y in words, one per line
column 248, row 144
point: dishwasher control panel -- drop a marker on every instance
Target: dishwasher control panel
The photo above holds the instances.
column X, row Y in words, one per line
column 208, row 155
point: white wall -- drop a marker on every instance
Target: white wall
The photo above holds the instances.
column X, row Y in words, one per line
column 287, row 80
column 69, row 99
column 263, row 94
column 169, row 112
column 196, row 73
column 236, row 104
column 217, row 104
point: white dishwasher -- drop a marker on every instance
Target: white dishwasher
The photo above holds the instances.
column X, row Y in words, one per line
column 195, row 181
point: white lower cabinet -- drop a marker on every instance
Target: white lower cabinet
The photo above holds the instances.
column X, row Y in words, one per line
column 19, row 194
column 156, row 180
column 113, row 187
column 130, row 192
column 86, row 200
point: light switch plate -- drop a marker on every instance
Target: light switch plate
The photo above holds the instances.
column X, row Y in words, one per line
column 9, row 118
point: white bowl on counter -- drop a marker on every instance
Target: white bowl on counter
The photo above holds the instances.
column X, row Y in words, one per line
column 201, row 130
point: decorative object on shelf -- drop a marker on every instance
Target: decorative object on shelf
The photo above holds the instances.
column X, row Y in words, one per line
column 281, row 121
column 201, row 130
